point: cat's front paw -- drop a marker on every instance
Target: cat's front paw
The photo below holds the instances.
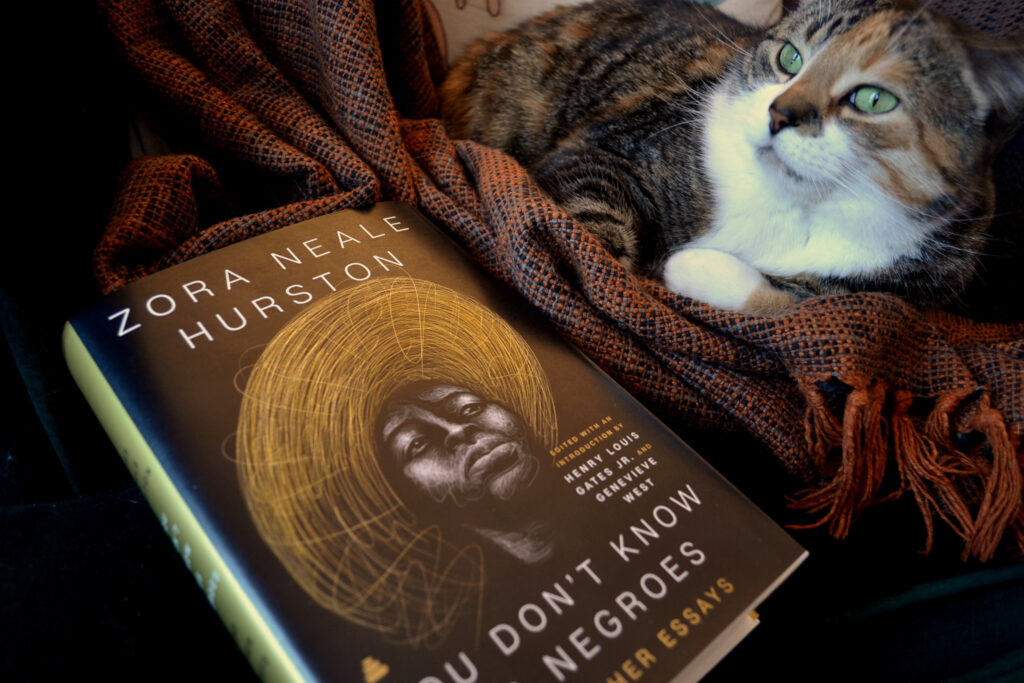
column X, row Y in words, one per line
column 724, row 281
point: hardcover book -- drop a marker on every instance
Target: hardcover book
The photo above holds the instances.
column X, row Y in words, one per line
column 380, row 466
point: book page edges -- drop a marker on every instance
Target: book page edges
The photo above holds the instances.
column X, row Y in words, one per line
column 735, row 632
column 254, row 636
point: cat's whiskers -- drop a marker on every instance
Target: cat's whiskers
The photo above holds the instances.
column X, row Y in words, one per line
column 843, row 179
column 938, row 247
column 930, row 215
column 846, row 182
column 673, row 126
column 855, row 172
column 694, row 116
column 930, row 219
column 721, row 34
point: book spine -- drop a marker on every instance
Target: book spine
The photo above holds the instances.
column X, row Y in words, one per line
column 254, row 636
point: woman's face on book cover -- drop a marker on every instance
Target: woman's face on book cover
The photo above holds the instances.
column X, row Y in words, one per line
column 453, row 444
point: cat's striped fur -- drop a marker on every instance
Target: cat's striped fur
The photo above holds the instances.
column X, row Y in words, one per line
column 678, row 137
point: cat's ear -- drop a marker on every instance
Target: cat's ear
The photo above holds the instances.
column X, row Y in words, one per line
column 998, row 67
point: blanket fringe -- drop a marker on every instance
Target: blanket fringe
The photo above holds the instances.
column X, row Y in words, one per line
column 1001, row 504
column 977, row 492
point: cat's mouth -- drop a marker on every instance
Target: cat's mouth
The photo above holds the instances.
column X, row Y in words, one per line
column 770, row 158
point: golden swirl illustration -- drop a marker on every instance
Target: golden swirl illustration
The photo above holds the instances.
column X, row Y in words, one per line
column 307, row 455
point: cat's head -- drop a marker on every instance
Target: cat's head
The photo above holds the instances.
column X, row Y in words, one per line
column 848, row 92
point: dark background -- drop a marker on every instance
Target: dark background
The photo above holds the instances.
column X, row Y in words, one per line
column 90, row 584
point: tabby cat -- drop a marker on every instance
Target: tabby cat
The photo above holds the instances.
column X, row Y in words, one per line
column 849, row 147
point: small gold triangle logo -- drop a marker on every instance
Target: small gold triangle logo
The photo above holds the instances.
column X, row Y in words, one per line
column 374, row 669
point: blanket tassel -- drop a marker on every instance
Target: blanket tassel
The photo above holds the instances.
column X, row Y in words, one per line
column 852, row 455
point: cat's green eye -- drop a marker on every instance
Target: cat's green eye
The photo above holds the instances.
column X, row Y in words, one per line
column 789, row 59
column 872, row 100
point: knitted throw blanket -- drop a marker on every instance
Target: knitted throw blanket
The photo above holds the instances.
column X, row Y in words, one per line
column 297, row 109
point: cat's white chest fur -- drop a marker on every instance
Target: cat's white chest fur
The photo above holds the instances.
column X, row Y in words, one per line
column 785, row 205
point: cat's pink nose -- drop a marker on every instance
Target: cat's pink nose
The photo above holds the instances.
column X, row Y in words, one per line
column 779, row 118
column 797, row 113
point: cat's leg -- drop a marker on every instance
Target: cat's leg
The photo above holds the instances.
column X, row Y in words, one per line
column 591, row 186
column 724, row 281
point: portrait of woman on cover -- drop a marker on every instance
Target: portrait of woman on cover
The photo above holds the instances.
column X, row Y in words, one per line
column 389, row 440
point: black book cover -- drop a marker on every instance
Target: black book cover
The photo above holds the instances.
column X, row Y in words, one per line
column 380, row 465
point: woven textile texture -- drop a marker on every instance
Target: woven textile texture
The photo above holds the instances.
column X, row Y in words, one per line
column 297, row 109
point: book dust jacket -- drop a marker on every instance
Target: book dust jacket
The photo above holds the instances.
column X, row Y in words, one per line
column 380, row 465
